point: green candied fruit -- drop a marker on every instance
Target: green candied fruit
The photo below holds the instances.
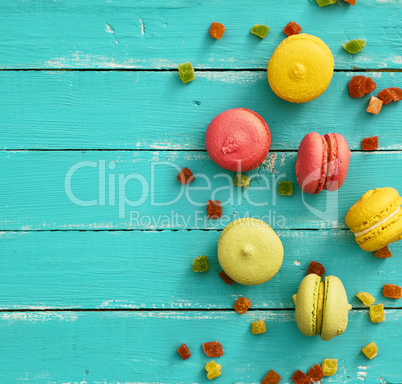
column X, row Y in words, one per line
column 186, row 72
column 258, row 327
column 365, row 298
column 370, row 350
column 329, row 367
column 377, row 314
column 260, row 30
column 200, row 264
column 354, row 46
column 285, row 188
column 323, row 3
column 241, row 180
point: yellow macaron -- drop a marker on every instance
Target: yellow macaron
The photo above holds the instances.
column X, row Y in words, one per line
column 376, row 219
column 301, row 68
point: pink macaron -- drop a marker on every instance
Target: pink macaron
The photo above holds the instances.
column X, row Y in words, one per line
column 322, row 162
column 238, row 140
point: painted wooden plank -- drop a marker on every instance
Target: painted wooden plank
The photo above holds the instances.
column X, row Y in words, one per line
column 140, row 347
column 143, row 34
column 139, row 190
column 97, row 270
column 154, row 110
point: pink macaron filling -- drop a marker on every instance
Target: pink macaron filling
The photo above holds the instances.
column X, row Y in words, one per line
column 238, row 140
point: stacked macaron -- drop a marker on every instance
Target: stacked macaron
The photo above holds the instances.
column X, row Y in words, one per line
column 322, row 162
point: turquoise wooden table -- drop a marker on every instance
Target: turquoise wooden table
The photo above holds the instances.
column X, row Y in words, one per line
column 97, row 236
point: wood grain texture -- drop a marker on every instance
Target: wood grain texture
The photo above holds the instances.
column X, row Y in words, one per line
column 140, row 347
column 155, row 110
column 109, row 270
column 160, row 34
column 139, row 190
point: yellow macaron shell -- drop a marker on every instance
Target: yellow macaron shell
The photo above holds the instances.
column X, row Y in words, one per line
column 374, row 207
column 249, row 251
column 301, row 68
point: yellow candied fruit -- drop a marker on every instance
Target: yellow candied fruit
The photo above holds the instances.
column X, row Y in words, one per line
column 258, row 327
column 211, row 365
column 214, row 373
column 329, row 367
column 365, row 298
column 377, row 314
column 370, row 350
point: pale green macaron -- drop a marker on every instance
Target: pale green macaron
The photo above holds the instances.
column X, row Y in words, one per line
column 322, row 307
column 249, row 251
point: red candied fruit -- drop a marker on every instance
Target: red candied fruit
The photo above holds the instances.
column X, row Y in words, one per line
column 316, row 268
column 370, row 85
column 300, row 378
column 397, row 92
column 386, row 96
column 383, row 253
column 392, row 291
column 242, row 305
column 216, row 30
column 214, row 209
column 292, row 29
column 184, row 352
column 357, row 86
column 213, row 349
column 370, row 143
column 226, row 278
column 185, row 176
column 351, row 2
column 271, row 378
column 315, row 373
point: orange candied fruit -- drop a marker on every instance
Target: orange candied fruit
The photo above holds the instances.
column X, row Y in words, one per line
column 185, row 176
column 351, row 2
column 226, row 278
column 374, row 105
column 315, row 373
column 386, row 96
column 361, row 85
column 316, row 268
column 300, row 378
column 383, row 253
column 370, row 143
column 242, row 305
column 392, row 291
column 184, row 352
column 292, row 29
column 397, row 92
column 217, row 30
column 271, row 378
column 214, row 209
column 213, row 349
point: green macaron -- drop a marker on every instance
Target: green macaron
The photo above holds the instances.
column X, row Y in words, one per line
column 322, row 307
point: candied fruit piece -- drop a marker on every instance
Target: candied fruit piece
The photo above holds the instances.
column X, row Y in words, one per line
column 241, row 180
column 370, row 143
column 370, row 350
column 397, row 92
column 383, row 253
column 213, row 349
column 285, row 188
column 315, row 373
column 211, row 365
column 271, row 378
column 351, row 2
column 260, row 30
column 186, row 72
column 392, row 291
column 323, row 3
column 185, row 176
column 258, row 327
column 300, row 378
column 357, row 86
column 292, row 28
column 377, row 314
column 374, row 105
column 214, row 373
column 201, row 264
column 216, row 30
column 386, row 96
column 242, row 305
column 225, row 278
column 316, row 268
column 214, row 209
column 365, row 298
column 370, row 85
column 184, row 352
column 329, row 367
column 354, row 46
